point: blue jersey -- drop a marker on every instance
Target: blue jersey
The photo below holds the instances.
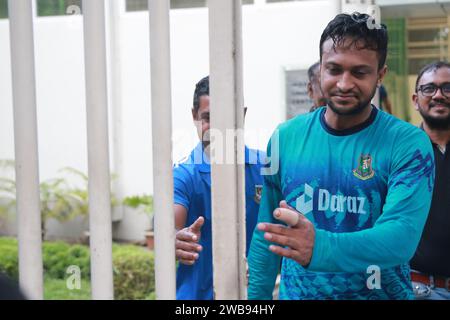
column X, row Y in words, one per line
column 192, row 189
column 367, row 190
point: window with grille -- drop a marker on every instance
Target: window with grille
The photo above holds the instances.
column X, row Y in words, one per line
column 56, row 7
column 46, row 7
column 141, row 5
column 281, row 0
column 427, row 41
column 3, row 9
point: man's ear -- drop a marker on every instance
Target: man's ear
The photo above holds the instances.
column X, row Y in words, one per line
column 415, row 99
column 310, row 90
column 194, row 114
column 381, row 75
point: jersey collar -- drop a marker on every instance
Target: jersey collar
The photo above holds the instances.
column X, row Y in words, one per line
column 351, row 130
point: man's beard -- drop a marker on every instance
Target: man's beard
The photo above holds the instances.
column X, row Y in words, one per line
column 433, row 122
column 360, row 106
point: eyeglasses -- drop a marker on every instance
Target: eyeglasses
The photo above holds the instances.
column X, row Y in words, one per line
column 430, row 89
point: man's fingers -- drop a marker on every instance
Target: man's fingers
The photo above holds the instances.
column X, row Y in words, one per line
column 187, row 262
column 289, row 253
column 186, row 256
column 281, row 240
column 273, row 228
column 185, row 235
column 197, row 225
column 284, row 204
column 188, row 246
column 284, row 252
column 288, row 216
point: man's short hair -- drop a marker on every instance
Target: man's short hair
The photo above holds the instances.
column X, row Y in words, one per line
column 431, row 67
column 361, row 29
column 201, row 89
column 312, row 71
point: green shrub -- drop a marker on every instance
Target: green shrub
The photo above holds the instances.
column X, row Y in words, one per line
column 58, row 256
column 9, row 262
column 133, row 273
column 133, row 266
column 56, row 289
column 151, row 296
column 8, row 242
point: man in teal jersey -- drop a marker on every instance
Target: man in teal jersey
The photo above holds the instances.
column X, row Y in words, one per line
column 361, row 179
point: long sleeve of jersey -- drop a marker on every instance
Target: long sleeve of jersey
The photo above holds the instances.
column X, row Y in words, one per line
column 395, row 235
column 263, row 264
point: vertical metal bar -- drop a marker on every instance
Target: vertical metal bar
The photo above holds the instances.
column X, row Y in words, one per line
column 227, row 114
column 35, row 8
column 447, row 56
column 98, row 153
column 26, row 147
column 337, row 6
column 240, row 151
column 374, row 11
column 115, row 9
column 162, row 148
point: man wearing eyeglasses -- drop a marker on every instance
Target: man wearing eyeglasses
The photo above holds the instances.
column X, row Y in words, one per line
column 431, row 263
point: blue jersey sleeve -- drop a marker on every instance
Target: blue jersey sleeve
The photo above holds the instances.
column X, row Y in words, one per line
column 394, row 237
column 183, row 188
column 263, row 264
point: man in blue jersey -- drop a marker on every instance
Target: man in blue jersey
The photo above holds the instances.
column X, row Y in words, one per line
column 357, row 181
column 192, row 197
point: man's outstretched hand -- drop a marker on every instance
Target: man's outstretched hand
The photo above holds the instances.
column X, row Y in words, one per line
column 297, row 239
column 187, row 248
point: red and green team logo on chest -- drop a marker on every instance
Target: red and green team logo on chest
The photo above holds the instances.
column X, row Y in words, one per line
column 364, row 170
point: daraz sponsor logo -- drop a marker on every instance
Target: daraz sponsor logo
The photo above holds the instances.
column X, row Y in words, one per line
column 329, row 202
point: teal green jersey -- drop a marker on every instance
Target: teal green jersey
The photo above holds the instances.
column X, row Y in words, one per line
column 367, row 190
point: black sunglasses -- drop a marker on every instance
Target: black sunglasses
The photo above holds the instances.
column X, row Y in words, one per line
column 430, row 89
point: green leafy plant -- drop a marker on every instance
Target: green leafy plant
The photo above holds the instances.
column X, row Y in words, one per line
column 7, row 187
column 60, row 199
column 141, row 201
column 133, row 267
column 134, row 275
column 146, row 201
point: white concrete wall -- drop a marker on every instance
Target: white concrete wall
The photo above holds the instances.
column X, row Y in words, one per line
column 275, row 36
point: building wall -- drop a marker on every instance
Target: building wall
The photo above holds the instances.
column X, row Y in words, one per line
column 275, row 36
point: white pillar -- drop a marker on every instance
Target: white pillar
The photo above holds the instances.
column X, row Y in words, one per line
column 337, row 6
column 35, row 8
column 98, row 154
column 26, row 147
column 115, row 9
column 162, row 149
column 374, row 10
column 227, row 113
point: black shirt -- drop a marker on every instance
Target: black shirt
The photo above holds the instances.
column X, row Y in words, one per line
column 433, row 253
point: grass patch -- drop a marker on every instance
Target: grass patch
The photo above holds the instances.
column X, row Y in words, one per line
column 56, row 289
